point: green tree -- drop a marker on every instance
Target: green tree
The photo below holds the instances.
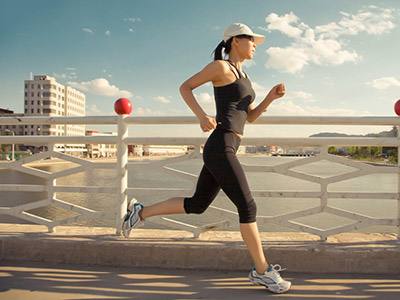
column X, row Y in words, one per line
column 332, row 150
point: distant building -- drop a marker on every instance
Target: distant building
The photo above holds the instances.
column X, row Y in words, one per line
column 16, row 129
column 44, row 96
column 135, row 150
column 250, row 149
column 100, row 150
column 4, row 111
column 306, row 150
column 241, row 149
column 163, row 149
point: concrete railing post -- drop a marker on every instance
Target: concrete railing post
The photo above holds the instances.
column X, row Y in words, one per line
column 122, row 172
column 398, row 182
column 51, row 184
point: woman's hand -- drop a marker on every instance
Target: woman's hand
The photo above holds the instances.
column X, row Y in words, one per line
column 207, row 123
column 277, row 91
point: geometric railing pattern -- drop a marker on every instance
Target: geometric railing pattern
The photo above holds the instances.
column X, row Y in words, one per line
column 21, row 211
column 120, row 190
column 360, row 220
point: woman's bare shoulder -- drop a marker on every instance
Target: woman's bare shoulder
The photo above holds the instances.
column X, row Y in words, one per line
column 221, row 63
column 217, row 65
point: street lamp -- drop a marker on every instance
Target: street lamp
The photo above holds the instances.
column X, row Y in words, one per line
column 12, row 146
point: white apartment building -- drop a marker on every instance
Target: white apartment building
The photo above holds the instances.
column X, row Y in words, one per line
column 44, row 96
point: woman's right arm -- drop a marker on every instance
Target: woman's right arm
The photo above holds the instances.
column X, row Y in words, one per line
column 211, row 72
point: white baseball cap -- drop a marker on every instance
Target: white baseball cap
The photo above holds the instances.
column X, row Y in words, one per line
column 239, row 28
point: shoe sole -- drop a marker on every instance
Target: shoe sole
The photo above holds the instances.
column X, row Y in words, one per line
column 255, row 281
column 125, row 227
column 131, row 204
column 125, row 230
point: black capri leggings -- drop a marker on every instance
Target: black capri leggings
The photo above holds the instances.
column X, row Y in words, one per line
column 222, row 169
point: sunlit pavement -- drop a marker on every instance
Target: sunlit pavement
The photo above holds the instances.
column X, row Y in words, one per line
column 19, row 280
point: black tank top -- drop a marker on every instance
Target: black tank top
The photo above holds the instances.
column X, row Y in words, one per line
column 232, row 102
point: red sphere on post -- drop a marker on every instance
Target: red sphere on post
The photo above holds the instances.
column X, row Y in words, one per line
column 123, row 106
column 397, row 107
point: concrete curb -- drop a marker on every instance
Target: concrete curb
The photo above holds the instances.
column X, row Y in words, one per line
column 219, row 250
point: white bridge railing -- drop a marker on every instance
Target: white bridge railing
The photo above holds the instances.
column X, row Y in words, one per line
column 121, row 189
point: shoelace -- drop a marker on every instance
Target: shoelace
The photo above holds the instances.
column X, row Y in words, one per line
column 277, row 270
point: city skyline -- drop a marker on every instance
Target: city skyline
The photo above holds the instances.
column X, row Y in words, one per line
column 341, row 61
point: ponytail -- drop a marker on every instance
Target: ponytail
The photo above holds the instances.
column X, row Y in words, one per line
column 218, row 51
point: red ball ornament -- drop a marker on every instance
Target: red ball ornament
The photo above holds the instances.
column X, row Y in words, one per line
column 397, row 107
column 123, row 106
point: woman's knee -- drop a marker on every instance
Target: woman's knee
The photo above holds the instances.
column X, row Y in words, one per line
column 193, row 207
column 248, row 213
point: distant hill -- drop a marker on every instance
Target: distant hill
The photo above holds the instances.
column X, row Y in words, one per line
column 390, row 133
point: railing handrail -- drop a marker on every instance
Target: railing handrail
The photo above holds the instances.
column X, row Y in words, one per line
column 256, row 141
column 283, row 120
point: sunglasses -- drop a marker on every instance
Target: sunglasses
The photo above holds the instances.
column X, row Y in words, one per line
column 245, row 36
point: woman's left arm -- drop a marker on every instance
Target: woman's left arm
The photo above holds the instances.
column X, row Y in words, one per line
column 254, row 112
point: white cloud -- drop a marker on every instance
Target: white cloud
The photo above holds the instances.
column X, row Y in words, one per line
column 70, row 68
column 249, row 63
column 384, row 83
column 131, row 30
column 61, row 76
column 321, row 45
column 100, row 86
column 137, row 97
column 68, row 76
column 284, row 24
column 93, row 110
column 375, row 21
column 107, row 33
column 87, row 30
column 299, row 95
column 204, row 98
column 146, row 111
column 106, row 73
column 288, row 107
column 290, row 59
column 206, row 101
column 133, row 20
column 260, row 90
column 162, row 99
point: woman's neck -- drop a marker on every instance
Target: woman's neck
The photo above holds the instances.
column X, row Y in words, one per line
column 237, row 62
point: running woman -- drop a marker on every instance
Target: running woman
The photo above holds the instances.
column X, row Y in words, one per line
column 234, row 97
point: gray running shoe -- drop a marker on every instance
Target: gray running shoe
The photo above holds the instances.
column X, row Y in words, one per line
column 271, row 279
column 132, row 218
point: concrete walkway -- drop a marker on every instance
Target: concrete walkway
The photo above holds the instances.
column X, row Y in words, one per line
column 19, row 280
column 352, row 253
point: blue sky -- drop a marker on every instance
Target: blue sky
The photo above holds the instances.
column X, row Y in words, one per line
column 336, row 58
